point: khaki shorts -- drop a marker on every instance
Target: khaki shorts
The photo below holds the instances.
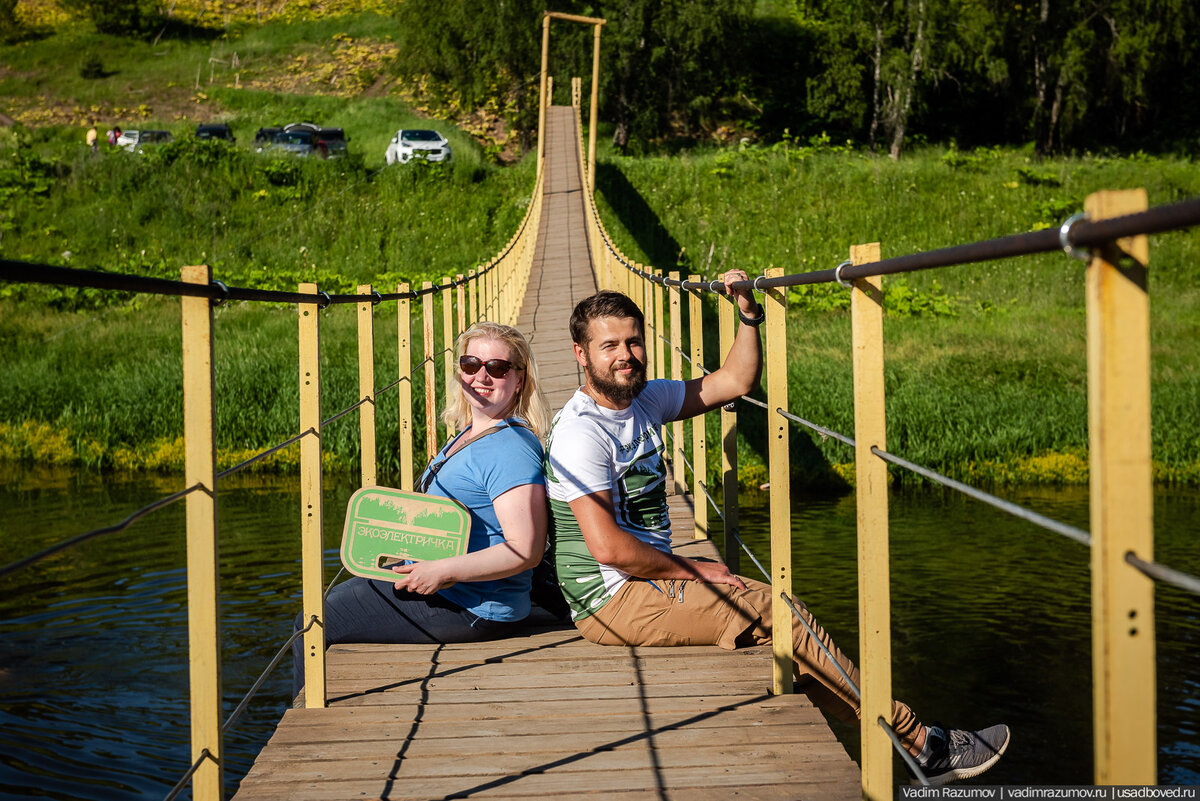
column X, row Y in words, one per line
column 681, row 612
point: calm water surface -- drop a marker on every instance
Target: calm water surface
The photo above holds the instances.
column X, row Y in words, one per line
column 990, row 620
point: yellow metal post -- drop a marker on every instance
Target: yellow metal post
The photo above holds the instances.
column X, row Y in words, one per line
column 729, row 463
column 591, row 162
column 447, row 337
column 678, row 451
column 431, row 437
column 648, row 313
column 460, row 302
column 1123, row 652
column 775, row 302
column 473, row 297
column 874, row 606
column 311, row 546
column 660, row 359
column 699, row 440
column 203, row 587
column 404, row 363
column 542, row 99
column 366, row 387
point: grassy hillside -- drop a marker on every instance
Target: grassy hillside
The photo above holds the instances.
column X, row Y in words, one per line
column 985, row 363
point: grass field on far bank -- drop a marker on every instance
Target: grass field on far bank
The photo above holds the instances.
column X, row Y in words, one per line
column 985, row 371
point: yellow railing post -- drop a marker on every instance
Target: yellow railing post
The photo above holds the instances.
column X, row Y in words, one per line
column 699, row 440
column 874, row 605
column 775, row 302
column 542, row 94
column 311, row 548
column 447, row 337
column 203, row 586
column 366, row 387
column 460, row 302
column 473, row 297
column 1123, row 650
column 660, row 360
column 404, row 363
column 648, row 313
column 729, row 463
column 678, row 468
column 591, row 165
column 431, row 437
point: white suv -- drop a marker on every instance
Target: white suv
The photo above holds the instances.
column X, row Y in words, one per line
column 409, row 143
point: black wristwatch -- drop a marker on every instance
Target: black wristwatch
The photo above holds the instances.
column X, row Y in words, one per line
column 756, row 320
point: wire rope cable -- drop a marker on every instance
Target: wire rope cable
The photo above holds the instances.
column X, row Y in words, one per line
column 1177, row 578
column 1013, row 509
column 204, row 754
column 900, row 749
column 121, row 526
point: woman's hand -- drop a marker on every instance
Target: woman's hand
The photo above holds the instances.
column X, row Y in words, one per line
column 424, row 578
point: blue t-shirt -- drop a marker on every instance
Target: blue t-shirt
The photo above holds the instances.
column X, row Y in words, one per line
column 475, row 477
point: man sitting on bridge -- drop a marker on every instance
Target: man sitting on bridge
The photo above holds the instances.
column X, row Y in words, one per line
column 606, row 481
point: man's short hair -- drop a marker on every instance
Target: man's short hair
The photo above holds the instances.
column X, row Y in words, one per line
column 603, row 304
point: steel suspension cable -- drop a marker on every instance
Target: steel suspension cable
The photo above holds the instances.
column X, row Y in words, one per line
column 121, row 526
column 1177, row 578
column 908, row 758
column 1013, row 509
column 204, row 754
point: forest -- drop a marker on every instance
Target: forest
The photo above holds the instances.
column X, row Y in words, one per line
column 1060, row 76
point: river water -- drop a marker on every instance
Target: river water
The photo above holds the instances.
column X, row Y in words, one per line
column 990, row 623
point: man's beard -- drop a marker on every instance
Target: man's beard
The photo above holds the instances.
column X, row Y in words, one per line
column 618, row 389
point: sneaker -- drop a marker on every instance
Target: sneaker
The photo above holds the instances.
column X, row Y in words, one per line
column 959, row 754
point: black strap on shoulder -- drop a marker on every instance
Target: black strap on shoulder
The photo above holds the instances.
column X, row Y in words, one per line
column 432, row 468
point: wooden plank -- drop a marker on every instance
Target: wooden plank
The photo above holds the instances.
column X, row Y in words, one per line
column 548, row 714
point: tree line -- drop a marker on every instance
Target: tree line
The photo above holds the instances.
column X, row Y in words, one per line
column 1062, row 75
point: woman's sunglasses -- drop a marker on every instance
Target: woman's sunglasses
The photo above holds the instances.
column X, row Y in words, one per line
column 496, row 368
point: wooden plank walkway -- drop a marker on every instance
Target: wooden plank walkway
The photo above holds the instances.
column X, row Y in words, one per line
column 549, row 714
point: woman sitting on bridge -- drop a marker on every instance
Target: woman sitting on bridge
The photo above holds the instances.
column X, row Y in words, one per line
column 493, row 466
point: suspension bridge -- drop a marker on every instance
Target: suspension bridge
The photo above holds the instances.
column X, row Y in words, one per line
column 548, row 713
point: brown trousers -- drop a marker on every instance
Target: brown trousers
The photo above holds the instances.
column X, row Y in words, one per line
column 687, row 612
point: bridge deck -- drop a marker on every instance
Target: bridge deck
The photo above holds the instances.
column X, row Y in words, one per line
column 549, row 714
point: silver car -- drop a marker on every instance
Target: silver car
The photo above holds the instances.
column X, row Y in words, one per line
column 410, row 143
column 134, row 141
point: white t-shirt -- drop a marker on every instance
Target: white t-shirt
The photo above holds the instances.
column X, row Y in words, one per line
column 592, row 448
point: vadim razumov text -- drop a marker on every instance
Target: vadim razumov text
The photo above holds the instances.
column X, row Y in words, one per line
column 1004, row 792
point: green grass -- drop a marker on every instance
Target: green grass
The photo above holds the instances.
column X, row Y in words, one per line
column 985, row 363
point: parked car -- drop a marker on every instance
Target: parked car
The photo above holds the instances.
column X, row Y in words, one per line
column 409, row 143
column 303, row 139
column 215, row 131
column 263, row 137
column 134, row 141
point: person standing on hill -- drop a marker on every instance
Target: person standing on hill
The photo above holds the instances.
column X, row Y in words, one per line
column 92, row 138
column 606, row 481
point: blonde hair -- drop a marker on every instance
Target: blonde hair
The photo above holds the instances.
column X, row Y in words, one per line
column 529, row 404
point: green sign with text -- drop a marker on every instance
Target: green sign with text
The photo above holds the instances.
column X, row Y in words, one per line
column 385, row 526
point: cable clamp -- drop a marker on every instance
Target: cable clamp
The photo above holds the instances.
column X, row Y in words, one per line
column 327, row 300
column 224, row 293
column 755, row 285
column 376, row 298
column 837, row 275
column 715, row 286
column 1064, row 238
